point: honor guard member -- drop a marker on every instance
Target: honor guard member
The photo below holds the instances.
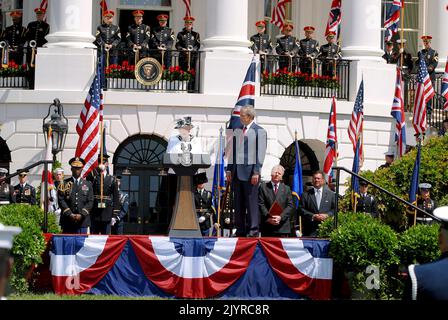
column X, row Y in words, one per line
column 425, row 203
column 389, row 53
column 309, row 49
column 24, row 192
column 118, row 220
column 389, row 157
column 261, row 44
column 203, row 203
column 366, row 203
column 14, row 36
column 75, row 196
column 429, row 281
column 107, row 205
column 108, row 36
column 162, row 40
column 287, row 49
column 6, row 259
column 188, row 43
column 138, row 37
column 329, row 54
column 37, row 30
column 431, row 57
column 58, row 177
column 408, row 64
column 6, row 190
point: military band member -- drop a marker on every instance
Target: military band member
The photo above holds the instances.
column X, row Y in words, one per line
column 37, row 30
column 162, row 39
column 108, row 36
column 6, row 190
column 188, row 42
column 389, row 53
column 425, row 203
column 309, row 49
column 287, row 49
column 24, row 192
column 107, row 205
column 366, row 203
column 408, row 64
column 138, row 37
column 261, row 44
column 431, row 57
column 75, row 196
column 329, row 54
column 14, row 36
column 203, row 204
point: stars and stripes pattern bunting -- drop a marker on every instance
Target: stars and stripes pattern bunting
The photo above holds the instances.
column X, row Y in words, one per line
column 392, row 19
column 88, row 127
column 423, row 94
column 279, row 13
column 332, row 140
column 335, row 18
column 445, row 88
column 398, row 114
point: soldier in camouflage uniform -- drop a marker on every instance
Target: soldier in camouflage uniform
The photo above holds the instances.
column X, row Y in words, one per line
column 162, row 40
column 138, row 37
column 329, row 54
column 188, row 39
column 287, row 48
column 261, row 44
column 108, row 36
column 309, row 49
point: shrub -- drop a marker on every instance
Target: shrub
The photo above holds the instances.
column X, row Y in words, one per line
column 29, row 244
column 419, row 244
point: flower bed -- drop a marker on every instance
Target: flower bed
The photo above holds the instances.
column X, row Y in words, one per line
column 298, row 79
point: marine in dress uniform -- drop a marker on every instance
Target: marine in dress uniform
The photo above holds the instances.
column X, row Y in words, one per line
column 162, row 40
column 203, row 203
column 429, row 281
column 6, row 190
column 108, row 36
column 188, row 39
column 109, row 205
column 14, row 36
column 287, row 49
column 75, row 196
column 309, row 49
column 389, row 53
column 425, row 203
column 329, row 54
column 24, row 192
column 366, row 203
column 430, row 56
column 261, row 44
column 138, row 36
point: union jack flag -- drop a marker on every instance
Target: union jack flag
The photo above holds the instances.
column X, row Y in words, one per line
column 356, row 122
column 398, row 113
column 335, row 18
column 332, row 140
column 187, row 7
column 445, row 88
column 392, row 19
column 279, row 13
column 88, row 127
column 44, row 5
column 423, row 94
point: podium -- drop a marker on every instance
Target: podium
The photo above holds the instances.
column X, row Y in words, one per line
column 184, row 222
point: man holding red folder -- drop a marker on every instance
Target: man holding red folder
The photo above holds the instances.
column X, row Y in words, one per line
column 276, row 205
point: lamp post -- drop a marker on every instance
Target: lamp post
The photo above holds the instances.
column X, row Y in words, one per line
column 58, row 126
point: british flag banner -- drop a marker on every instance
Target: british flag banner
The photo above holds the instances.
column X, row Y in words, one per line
column 392, row 19
column 445, row 88
column 269, row 268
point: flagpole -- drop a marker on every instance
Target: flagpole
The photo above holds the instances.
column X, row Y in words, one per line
column 218, row 186
column 101, row 148
column 300, row 217
column 402, row 35
column 419, row 145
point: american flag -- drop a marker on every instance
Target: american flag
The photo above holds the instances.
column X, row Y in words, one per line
column 335, row 17
column 356, row 122
column 44, row 5
column 187, row 7
column 392, row 19
column 88, row 127
column 279, row 13
column 445, row 88
column 398, row 113
column 332, row 140
column 423, row 94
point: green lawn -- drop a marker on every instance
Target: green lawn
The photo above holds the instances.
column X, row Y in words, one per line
column 51, row 296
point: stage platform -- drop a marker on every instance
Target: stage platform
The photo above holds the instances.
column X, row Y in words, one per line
column 228, row 268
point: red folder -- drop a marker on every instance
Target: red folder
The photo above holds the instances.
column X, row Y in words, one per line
column 276, row 209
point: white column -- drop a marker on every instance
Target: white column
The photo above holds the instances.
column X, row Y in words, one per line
column 227, row 55
column 67, row 62
column 361, row 30
column 437, row 26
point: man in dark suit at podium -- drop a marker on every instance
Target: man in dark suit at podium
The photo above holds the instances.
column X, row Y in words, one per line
column 244, row 168
column 276, row 206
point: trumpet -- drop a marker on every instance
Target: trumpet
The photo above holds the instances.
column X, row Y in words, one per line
column 263, row 52
column 291, row 55
column 189, row 47
column 107, row 48
column 33, row 45
column 137, row 54
column 5, row 55
column 162, row 47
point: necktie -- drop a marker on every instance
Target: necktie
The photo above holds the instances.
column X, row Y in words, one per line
column 318, row 197
column 275, row 188
column 244, row 130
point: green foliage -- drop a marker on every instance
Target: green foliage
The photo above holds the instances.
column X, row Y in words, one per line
column 419, row 245
column 29, row 244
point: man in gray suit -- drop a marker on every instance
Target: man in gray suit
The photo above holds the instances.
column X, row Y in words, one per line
column 243, row 170
column 276, row 206
column 317, row 204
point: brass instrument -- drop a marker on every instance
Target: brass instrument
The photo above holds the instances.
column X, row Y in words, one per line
column 189, row 49
column 291, row 55
column 162, row 48
column 312, row 64
column 137, row 54
column 5, row 55
column 107, row 49
column 33, row 45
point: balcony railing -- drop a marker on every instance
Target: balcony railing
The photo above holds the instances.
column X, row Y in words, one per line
column 181, row 70
column 303, row 77
column 15, row 69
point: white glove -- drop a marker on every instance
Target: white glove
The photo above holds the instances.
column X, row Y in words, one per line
column 113, row 221
column 102, row 167
column 227, row 220
column 401, row 50
column 298, row 234
column 201, row 219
